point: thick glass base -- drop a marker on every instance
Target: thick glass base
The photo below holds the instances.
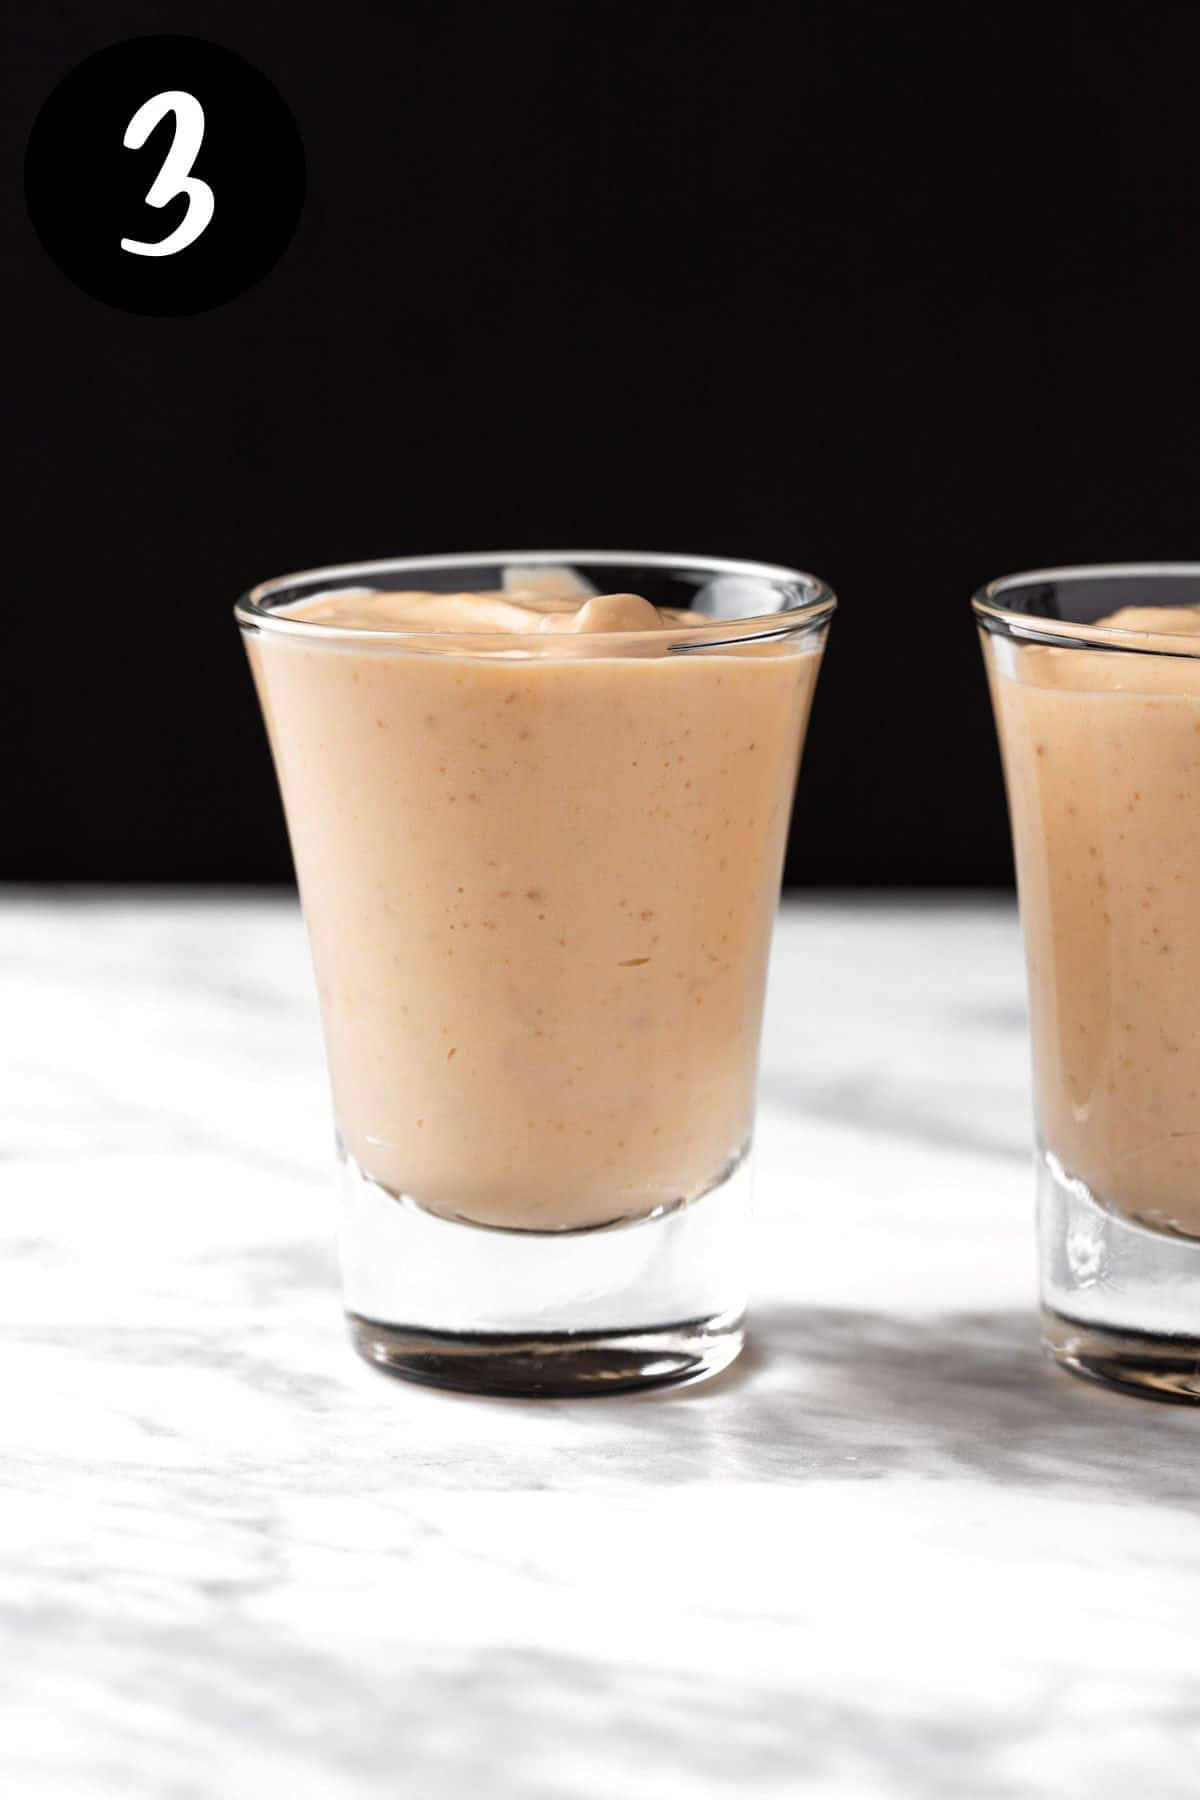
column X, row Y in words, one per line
column 572, row 1363
column 642, row 1303
column 1158, row 1368
column 1120, row 1302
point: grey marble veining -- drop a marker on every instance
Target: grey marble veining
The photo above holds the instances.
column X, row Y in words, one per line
column 891, row 1552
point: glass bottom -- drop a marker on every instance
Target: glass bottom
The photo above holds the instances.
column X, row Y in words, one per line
column 642, row 1303
column 1157, row 1368
column 563, row 1365
column 1120, row 1301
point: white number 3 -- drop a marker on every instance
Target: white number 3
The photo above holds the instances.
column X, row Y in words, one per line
column 174, row 177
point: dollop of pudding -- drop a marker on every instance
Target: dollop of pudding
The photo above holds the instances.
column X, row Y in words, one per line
column 1170, row 621
column 518, row 611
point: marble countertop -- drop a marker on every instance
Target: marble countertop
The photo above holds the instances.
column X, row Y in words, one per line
column 891, row 1552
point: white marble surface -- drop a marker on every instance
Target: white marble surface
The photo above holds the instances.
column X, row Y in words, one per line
column 891, row 1553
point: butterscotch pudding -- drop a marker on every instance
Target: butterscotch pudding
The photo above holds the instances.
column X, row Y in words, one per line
column 539, row 891
column 1102, row 755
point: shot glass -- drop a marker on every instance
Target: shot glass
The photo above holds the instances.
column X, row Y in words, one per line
column 539, row 871
column 1095, row 680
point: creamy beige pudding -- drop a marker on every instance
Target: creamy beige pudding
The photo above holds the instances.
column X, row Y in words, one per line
column 1102, row 762
column 539, row 888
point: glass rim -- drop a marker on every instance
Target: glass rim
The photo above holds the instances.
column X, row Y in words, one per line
column 1066, row 634
column 254, row 613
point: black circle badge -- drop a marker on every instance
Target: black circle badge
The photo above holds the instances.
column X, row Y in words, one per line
column 164, row 175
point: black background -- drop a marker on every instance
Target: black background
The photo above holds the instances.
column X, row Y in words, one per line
column 905, row 296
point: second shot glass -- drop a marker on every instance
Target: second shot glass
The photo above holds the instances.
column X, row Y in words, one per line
column 1095, row 679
